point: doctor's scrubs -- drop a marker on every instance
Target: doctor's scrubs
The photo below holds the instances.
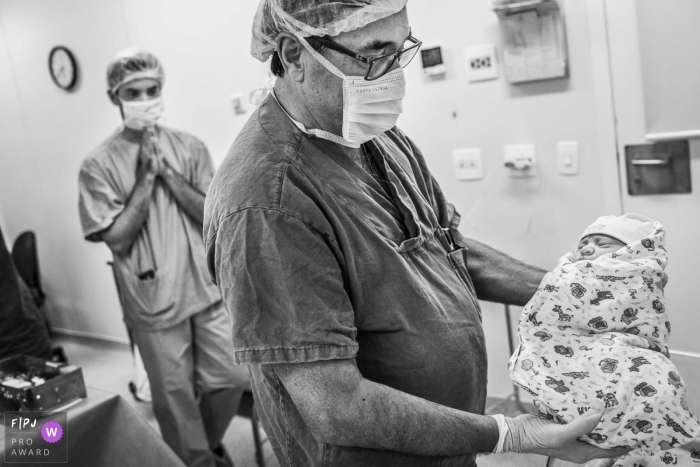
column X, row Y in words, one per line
column 174, row 311
column 316, row 261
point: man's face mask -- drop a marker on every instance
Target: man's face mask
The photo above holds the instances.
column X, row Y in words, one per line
column 369, row 107
column 140, row 114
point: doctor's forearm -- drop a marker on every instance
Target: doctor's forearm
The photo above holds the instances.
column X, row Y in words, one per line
column 189, row 198
column 126, row 227
column 342, row 408
column 498, row 277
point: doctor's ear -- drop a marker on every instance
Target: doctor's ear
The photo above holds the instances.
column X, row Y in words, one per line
column 113, row 97
column 290, row 50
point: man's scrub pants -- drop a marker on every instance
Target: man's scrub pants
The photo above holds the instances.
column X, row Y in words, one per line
column 195, row 386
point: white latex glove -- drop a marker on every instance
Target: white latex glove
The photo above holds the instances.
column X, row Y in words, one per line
column 595, row 463
column 531, row 434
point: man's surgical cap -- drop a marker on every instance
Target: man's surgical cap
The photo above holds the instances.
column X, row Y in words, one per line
column 132, row 64
column 314, row 18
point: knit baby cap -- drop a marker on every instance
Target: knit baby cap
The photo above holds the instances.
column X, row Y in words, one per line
column 628, row 228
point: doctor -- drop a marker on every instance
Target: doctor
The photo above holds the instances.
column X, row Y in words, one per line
column 142, row 193
column 334, row 250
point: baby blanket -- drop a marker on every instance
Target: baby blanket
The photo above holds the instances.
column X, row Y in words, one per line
column 599, row 330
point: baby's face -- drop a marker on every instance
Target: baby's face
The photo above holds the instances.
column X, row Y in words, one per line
column 594, row 246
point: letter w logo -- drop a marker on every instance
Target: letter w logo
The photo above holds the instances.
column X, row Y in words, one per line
column 52, row 432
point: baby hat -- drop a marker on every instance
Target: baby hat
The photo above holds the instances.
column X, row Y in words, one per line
column 628, row 228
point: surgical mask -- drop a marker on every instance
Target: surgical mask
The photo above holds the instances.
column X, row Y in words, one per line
column 369, row 107
column 140, row 114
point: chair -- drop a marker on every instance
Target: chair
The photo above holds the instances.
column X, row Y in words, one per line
column 24, row 255
column 26, row 261
column 246, row 409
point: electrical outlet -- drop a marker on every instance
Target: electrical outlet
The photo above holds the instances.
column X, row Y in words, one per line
column 468, row 164
column 481, row 62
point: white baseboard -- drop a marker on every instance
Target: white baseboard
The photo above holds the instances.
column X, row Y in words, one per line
column 683, row 353
column 90, row 335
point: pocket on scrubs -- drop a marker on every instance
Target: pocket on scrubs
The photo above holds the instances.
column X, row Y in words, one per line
column 149, row 296
column 458, row 260
column 411, row 244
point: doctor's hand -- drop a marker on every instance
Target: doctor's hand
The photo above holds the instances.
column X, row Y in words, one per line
column 530, row 434
column 149, row 162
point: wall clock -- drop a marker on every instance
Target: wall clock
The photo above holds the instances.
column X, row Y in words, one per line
column 63, row 68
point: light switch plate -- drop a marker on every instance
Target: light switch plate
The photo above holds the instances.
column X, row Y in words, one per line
column 468, row 164
column 568, row 157
column 481, row 62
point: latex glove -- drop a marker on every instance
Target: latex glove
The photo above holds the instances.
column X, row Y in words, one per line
column 595, row 463
column 531, row 434
column 602, row 462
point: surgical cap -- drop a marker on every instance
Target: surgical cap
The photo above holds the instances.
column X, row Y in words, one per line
column 132, row 64
column 314, row 18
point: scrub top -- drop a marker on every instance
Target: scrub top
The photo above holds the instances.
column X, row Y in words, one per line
column 316, row 261
column 164, row 279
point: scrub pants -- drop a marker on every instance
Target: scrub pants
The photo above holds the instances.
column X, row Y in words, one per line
column 195, row 386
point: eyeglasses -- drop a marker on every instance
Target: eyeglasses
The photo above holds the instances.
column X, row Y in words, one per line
column 378, row 66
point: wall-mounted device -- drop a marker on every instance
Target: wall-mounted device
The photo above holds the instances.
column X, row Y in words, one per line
column 433, row 61
column 658, row 168
column 63, row 67
column 534, row 39
column 520, row 160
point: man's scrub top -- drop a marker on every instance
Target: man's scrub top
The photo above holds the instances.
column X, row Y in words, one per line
column 164, row 279
column 315, row 261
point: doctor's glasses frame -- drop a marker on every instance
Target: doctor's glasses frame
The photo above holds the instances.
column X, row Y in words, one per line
column 378, row 66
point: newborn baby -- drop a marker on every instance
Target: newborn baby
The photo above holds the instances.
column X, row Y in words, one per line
column 597, row 328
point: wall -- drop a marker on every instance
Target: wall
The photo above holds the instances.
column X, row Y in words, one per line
column 3, row 225
column 46, row 133
column 669, row 58
column 535, row 220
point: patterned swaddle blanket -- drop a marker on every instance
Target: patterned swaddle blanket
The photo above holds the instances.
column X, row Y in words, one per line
column 599, row 330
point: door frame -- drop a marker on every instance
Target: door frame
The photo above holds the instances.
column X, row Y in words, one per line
column 621, row 114
column 605, row 107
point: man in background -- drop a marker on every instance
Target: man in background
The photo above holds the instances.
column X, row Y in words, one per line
column 142, row 193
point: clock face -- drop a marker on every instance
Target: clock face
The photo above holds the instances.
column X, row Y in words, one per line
column 62, row 67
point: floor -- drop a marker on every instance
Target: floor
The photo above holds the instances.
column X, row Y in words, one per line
column 109, row 366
